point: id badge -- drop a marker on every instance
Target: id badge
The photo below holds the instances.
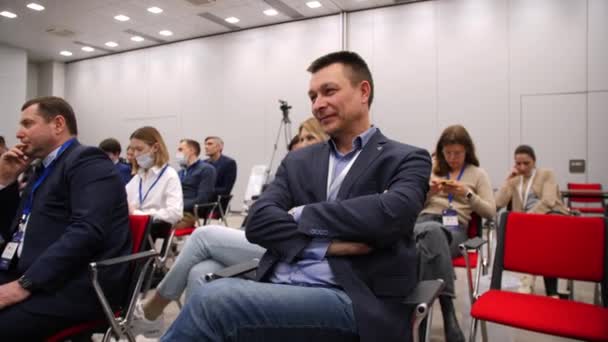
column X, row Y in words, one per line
column 10, row 250
column 449, row 218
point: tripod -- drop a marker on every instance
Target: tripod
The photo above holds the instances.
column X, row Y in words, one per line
column 285, row 127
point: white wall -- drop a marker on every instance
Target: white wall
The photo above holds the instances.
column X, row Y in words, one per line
column 32, row 80
column 51, row 79
column 225, row 85
column 511, row 71
column 13, row 80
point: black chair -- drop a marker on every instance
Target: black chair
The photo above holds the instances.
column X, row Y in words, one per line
column 215, row 210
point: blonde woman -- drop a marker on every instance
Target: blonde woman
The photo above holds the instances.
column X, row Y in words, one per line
column 155, row 188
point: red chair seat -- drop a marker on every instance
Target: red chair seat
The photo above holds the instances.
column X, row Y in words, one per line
column 459, row 261
column 76, row 330
column 543, row 314
column 184, row 231
column 585, row 210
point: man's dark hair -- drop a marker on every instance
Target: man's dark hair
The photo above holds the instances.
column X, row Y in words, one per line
column 52, row 106
column 110, row 145
column 357, row 69
column 193, row 144
column 526, row 149
column 2, row 141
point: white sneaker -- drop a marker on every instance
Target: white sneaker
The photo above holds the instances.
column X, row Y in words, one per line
column 527, row 284
column 140, row 325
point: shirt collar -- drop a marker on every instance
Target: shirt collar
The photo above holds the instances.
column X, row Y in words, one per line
column 358, row 143
column 155, row 169
column 50, row 157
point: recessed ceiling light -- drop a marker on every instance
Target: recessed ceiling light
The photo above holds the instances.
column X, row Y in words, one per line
column 121, row 17
column 155, row 10
column 35, row 6
column 232, row 20
column 137, row 39
column 87, row 49
column 65, row 53
column 313, row 4
column 270, row 12
column 165, row 33
column 111, row 44
column 8, row 14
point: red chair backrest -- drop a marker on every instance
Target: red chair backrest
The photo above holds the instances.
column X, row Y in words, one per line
column 585, row 186
column 140, row 227
column 474, row 228
column 555, row 245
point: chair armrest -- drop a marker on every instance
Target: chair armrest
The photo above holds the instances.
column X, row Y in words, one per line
column 234, row 270
column 474, row 243
column 123, row 259
column 425, row 292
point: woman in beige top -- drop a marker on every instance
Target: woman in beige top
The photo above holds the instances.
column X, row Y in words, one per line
column 532, row 190
column 458, row 187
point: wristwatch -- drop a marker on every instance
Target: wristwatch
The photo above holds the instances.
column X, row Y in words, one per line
column 25, row 283
column 469, row 195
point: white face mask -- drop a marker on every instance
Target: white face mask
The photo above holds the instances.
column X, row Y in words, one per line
column 145, row 161
column 181, row 159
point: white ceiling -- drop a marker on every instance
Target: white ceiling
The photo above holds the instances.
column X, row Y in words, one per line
column 93, row 23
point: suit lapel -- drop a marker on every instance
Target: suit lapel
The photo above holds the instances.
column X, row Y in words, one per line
column 320, row 166
column 372, row 150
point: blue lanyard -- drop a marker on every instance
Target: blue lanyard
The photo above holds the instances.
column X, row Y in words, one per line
column 450, row 196
column 142, row 199
column 27, row 208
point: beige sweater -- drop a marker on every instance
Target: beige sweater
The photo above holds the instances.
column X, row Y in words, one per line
column 544, row 187
column 482, row 202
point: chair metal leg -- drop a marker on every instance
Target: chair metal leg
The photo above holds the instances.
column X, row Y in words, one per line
column 596, row 294
column 421, row 313
column 570, row 288
column 484, row 331
column 429, row 323
column 473, row 330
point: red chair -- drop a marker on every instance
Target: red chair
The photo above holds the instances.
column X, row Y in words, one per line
column 117, row 319
column 213, row 210
column 555, row 246
column 585, row 199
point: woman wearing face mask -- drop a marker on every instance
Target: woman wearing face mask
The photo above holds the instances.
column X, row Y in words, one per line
column 208, row 249
column 155, row 189
column 458, row 188
column 531, row 190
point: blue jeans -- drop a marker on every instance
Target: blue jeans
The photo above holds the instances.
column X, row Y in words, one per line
column 208, row 249
column 244, row 310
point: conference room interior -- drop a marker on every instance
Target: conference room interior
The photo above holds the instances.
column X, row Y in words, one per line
column 512, row 72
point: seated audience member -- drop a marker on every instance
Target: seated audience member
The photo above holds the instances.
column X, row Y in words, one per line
column 294, row 144
column 337, row 224
column 458, row 188
column 208, row 249
column 155, row 188
column 3, row 147
column 73, row 211
column 224, row 165
column 532, row 190
column 197, row 178
column 112, row 148
column 129, row 157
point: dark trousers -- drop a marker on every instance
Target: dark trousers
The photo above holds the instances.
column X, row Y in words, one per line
column 17, row 324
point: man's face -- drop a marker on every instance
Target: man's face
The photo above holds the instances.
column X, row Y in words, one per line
column 336, row 103
column 212, row 147
column 38, row 135
column 185, row 149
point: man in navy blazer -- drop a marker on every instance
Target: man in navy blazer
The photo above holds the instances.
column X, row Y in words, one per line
column 337, row 223
column 72, row 212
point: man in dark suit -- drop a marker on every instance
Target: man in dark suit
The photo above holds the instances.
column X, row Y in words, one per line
column 72, row 211
column 225, row 166
column 112, row 148
column 197, row 178
column 337, row 223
